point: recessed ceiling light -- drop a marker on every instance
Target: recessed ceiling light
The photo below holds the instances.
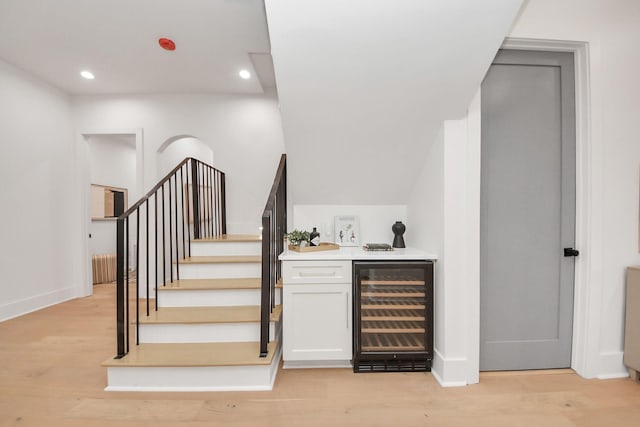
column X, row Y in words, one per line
column 87, row 75
column 245, row 74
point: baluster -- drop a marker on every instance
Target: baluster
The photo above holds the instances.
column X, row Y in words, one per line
column 184, row 249
column 175, row 211
column 223, row 203
column 205, row 194
column 147, row 253
column 170, row 237
column 155, row 275
column 212, row 219
column 189, row 206
column 127, row 288
column 120, row 292
column 216, row 203
column 164, row 244
column 137, row 276
column 195, row 206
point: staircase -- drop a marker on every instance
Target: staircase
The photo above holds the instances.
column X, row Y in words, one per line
column 205, row 335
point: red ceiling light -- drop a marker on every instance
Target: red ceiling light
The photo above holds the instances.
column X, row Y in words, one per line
column 166, row 44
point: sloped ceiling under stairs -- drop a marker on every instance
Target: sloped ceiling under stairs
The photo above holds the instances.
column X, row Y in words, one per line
column 364, row 87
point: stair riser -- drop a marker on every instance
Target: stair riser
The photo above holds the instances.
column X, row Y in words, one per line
column 208, row 298
column 199, row 298
column 219, row 271
column 225, row 248
column 206, row 378
column 205, row 332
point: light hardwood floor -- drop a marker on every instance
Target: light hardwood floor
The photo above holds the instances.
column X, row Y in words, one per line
column 50, row 375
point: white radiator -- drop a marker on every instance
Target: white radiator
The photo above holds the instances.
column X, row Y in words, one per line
column 104, row 268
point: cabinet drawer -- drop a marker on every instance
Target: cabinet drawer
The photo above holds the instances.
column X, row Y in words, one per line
column 316, row 272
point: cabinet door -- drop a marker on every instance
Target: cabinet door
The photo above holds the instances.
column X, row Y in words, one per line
column 317, row 322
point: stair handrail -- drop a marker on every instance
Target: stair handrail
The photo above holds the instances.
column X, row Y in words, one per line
column 201, row 215
column 274, row 227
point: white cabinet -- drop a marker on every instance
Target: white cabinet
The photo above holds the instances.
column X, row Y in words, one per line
column 317, row 313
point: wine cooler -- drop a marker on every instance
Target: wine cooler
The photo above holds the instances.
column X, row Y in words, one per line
column 393, row 316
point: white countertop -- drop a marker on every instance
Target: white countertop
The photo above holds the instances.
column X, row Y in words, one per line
column 357, row 253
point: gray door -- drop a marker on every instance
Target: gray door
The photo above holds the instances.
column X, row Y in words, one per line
column 527, row 211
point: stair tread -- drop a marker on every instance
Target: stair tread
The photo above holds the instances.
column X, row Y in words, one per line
column 198, row 315
column 222, row 259
column 195, row 355
column 211, row 284
column 226, row 238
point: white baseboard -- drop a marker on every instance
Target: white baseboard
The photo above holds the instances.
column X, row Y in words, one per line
column 316, row 364
column 449, row 372
column 612, row 366
column 35, row 303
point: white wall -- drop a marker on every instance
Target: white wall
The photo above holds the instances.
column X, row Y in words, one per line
column 244, row 132
column 40, row 210
column 445, row 203
column 375, row 221
column 426, row 211
column 611, row 29
column 112, row 162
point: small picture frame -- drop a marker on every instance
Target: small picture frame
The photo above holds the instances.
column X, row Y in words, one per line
column 347, row 230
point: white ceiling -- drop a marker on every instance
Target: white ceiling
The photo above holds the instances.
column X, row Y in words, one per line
column 364, row 87
column 118, row 41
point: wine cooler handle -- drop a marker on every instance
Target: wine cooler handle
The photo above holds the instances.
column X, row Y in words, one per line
column 348, row 309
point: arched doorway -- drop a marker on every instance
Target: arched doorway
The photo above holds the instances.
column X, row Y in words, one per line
column 177, row 148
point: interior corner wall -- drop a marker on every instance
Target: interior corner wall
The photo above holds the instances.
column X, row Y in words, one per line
column 445, row 209
column 425, row 216
column 41, row 242
column 244, row 132
column 611, row 30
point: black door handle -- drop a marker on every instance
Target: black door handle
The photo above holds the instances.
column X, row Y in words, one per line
column 571, row 252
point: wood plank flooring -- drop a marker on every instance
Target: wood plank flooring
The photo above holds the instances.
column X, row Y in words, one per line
column 50, row 375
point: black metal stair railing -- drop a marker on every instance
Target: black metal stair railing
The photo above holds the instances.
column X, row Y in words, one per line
column 274, row 227
column 187, row 204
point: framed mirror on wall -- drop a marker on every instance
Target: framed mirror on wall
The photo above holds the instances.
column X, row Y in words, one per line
column 107, row 202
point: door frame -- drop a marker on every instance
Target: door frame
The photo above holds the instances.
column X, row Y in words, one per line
column 85, row 284
column 586, row 316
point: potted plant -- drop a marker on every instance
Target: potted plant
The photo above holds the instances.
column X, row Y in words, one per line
column 298, row 238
